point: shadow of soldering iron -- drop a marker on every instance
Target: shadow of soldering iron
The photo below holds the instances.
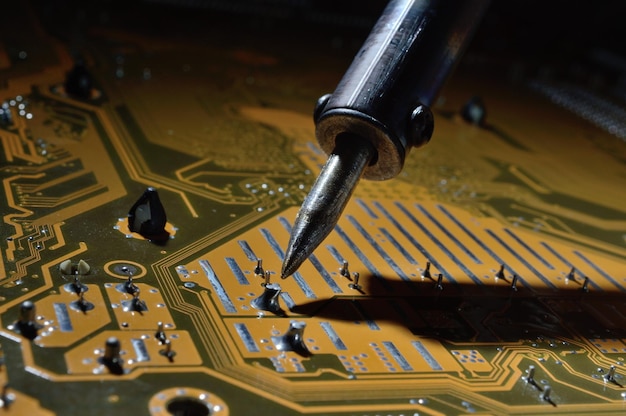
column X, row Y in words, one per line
column 458, row 312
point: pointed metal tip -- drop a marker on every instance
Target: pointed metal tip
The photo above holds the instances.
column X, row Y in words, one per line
column 290, row 264
column 324, row 204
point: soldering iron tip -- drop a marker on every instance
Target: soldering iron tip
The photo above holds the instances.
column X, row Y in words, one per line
column 294, row 256
column 325, row 202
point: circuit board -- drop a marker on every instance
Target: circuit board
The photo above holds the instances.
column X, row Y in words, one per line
column 487, row 278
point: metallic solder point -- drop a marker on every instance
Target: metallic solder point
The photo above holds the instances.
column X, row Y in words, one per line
column 355, row 281
column 81, row 304
column 167, row 350
column 585, row 287
column 160, row 333
column 439, row 285
column 344, row 271
column 572, row 274
column 129, row 285
column 530, row 376
column 268, row 275
column 293, row 339
column 76, row 286
column 500, row 273
column 426, row 274
column 135, row 304
column 610, row 376
column 269, row 299
column 514, row 283
column 6, row 398
column 258, row 270
column 545, row 395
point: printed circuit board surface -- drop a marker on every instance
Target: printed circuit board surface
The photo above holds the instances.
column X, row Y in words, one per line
column 487, row 278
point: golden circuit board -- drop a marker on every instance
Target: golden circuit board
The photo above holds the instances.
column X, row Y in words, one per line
column 488, row 278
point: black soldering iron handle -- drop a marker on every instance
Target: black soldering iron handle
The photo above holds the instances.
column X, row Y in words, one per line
column 384, row 95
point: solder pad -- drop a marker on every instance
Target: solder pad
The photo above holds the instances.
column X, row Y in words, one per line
column 491, row 272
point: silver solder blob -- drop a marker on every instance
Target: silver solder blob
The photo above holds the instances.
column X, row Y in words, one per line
column 268, row 301
column 293, row 339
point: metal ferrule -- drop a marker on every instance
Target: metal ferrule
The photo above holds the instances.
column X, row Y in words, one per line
column 400, row 68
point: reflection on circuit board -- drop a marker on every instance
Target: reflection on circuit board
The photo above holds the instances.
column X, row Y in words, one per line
column 147, row 206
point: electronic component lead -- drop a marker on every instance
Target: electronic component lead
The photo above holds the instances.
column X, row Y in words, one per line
column 439, row 284
column 500, row 273
column 610, row 376
column 355, row 281
column 167, row 351
column 258, row 270
column 160, row 333
column 585, row 287
column 426, row 274
column 571, row 275
column 343, row 270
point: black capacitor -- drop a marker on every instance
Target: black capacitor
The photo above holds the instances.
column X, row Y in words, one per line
column 147, row 217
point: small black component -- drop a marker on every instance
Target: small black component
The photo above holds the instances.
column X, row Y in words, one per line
column 147, row 217
column 293, row 339
column 111, row 358
column 79, row 82
column 26, row 323
column 474, row 111
column 572, row 274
